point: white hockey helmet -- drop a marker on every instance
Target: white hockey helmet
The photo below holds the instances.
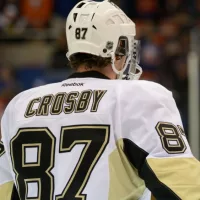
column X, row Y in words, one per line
column 103, row 29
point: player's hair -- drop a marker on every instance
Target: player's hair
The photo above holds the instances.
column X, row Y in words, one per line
column 89, row 61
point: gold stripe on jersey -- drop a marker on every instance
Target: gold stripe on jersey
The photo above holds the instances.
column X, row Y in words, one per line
column 124, row 180
column 182, row 177
column 6, row 190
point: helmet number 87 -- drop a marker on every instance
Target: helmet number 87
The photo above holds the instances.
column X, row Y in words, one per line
column 80, row 33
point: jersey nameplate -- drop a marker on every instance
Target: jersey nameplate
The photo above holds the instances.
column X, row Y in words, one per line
column 65, row 103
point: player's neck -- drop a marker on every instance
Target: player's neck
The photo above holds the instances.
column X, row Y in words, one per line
column 107, row 71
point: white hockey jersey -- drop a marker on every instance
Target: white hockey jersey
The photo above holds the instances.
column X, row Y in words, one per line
column 88, row 138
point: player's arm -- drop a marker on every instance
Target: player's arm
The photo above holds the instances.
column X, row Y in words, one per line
column 158, row 148
column 7, row 187
column 6, row 181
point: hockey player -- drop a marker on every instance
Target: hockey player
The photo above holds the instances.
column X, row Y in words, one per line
column 95, row 136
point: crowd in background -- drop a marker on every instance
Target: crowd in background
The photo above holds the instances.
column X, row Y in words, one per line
column 163, row 26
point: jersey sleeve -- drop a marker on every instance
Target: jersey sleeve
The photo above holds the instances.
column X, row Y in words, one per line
column 6, row 180
column 155, row 144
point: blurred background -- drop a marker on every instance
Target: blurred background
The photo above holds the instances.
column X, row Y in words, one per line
column 33, row 48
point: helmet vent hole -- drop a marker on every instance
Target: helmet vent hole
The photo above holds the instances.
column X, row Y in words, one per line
column 81, row 5
column 94, row 27
column 75, row 16
column 93, row 16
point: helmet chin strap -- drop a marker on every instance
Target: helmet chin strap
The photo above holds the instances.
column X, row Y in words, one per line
column 113, row 63
column 119, row 73
column 131, row 75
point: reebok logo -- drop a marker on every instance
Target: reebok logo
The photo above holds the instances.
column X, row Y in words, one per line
column 72, row 84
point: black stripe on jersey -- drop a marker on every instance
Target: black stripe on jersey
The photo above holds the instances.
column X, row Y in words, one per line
column 15, row 195
column 137, row 157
